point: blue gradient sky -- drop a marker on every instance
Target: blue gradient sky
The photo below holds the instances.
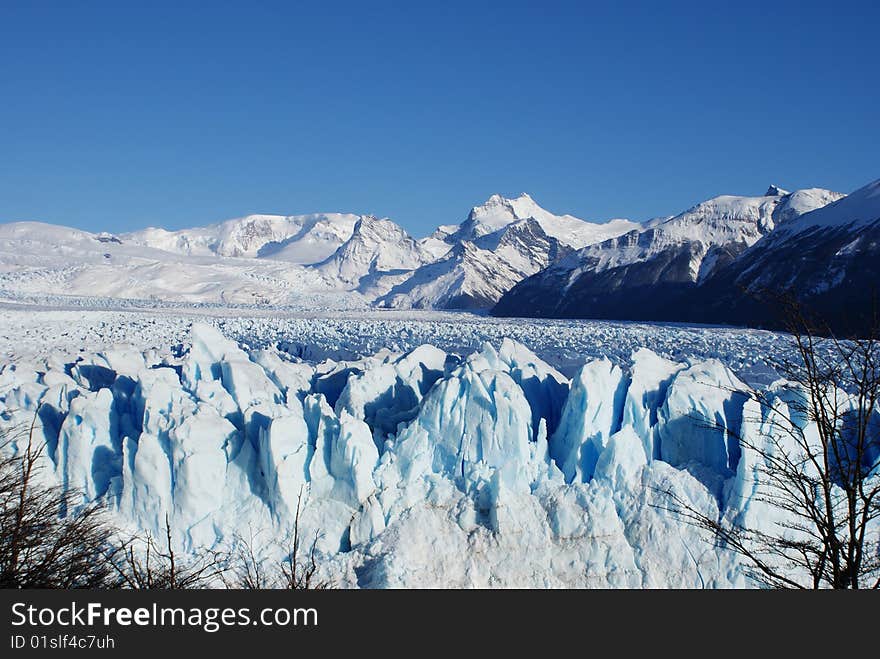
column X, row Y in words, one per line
column 117, row 115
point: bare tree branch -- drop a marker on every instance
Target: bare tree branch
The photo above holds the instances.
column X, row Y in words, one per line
column 817, row 462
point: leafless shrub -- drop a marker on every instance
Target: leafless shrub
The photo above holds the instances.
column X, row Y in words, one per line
column 143, row 564
column 817, row 465
column 297, row 570
column 43, row 542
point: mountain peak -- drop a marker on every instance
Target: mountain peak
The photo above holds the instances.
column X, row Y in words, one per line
column 376, row 245
column 364, row 221
column 497, row 199
column 775, row 191
column 499, row 212
column 856, row 210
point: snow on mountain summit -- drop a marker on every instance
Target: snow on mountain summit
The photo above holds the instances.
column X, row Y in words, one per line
column 475, row 274
column 617, row 278
column 39, row 259
column 828, row 257
column 375, row 246
column 277, row 259
column 460, row 266
column 689, row 236
column 860, row 208
column 725, row 220
column 498, row 212
column 466, row 278
column 775, row 191
column 296, row 238
column 800, row 202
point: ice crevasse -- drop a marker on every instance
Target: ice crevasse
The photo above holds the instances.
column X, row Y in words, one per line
column 415, row 469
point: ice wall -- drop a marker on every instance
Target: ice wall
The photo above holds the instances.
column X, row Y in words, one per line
column 415, row 469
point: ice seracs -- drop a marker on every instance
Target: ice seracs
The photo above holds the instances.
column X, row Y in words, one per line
column 420, row 468
column 389, row 394
column 592, row 414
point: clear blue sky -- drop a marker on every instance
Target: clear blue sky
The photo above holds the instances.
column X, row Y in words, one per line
column 117, row 115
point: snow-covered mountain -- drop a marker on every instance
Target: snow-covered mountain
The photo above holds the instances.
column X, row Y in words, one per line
column 853, row 213
column 800, row 202
column 37, row 258
column 524, row 246
column 621, row 277
column 507, row 253
column 376, row 246
column 499, row 243
column 377, row 258
column 498, row 212
column 828, row 258
column 467, row 277
column 252, row 259
column 726, row 221
column 438, row 242
column 475, row 274
column 295, row 238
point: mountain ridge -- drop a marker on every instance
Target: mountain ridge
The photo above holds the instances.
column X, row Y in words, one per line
column 509, row 256
column 822, row 250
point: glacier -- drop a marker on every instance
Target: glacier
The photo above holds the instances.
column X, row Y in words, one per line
column 421, row 468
